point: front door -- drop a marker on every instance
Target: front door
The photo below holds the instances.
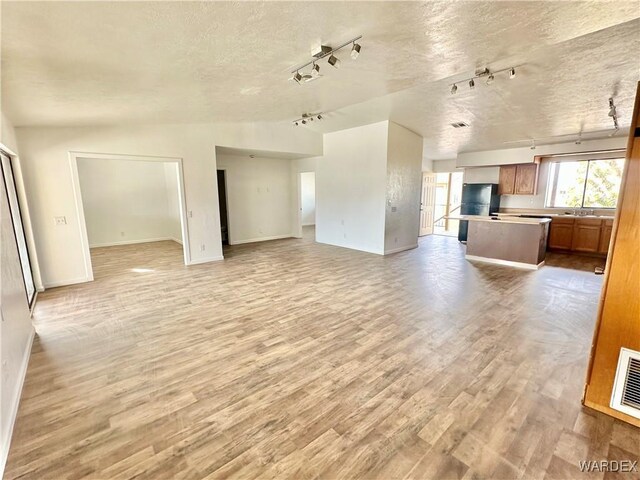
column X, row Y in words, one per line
column 427, row 203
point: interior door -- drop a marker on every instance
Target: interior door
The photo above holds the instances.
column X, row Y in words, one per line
column 9, row 192
column 427, row 203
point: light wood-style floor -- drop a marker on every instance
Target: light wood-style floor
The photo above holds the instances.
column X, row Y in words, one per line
column 292, row 359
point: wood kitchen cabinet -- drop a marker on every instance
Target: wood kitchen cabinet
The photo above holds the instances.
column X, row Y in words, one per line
column 605, row 236
column 521, row 179
column 586, row 235
column 507, row 181
column 561, row 233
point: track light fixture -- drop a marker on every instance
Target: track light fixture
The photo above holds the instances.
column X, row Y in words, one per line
column 481, row 73
column 333, row 60
column 306, row 118
column 355, row 50
column 613, row 114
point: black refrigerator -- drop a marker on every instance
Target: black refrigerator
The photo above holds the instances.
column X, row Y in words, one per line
column 477, row 199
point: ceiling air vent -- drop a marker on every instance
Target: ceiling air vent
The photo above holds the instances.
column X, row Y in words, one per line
column 626, row 386
column 459, row 125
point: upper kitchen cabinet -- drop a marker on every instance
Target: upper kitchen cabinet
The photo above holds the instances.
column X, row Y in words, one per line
column 521, row 179
column 507, row 181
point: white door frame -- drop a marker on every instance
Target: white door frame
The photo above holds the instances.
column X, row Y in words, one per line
column 77, row 196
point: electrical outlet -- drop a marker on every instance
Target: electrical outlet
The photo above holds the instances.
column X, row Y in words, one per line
column 394, row 209
column 122, row 234
column 202, row 247
column 190, row 213
column 60, row 220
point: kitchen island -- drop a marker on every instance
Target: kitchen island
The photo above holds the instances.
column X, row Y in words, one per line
column 512, row 241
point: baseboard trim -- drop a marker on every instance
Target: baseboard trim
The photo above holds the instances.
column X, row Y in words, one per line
column 506, row 263
column 207, row 260
column 400, row 249
column 13, row 414
column 308, row 224
column 132, row 242
column 64, row 283
column 177, row 240
column 260, row 239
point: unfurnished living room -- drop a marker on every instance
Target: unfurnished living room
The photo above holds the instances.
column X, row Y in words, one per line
column 320, row 240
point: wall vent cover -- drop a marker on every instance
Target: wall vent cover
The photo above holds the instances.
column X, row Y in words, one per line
column 626, row 386
column 459, row 125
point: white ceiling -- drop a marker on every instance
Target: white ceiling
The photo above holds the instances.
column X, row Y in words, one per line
column 98, row 63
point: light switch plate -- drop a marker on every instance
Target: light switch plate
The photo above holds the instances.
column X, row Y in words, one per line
column 60, row 220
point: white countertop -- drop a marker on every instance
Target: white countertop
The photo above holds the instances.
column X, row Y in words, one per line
column 603, row 217
column 504, row 219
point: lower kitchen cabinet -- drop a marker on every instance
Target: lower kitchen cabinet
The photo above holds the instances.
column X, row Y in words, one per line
column 584, row 235
column 605, row 236
column 561, row 233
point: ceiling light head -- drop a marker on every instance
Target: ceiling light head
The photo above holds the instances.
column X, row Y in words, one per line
column 319, row 117
column 296, row 123
column 490, row 79
column 297, row 77
column 533, row 145
column 355, row 50
column 454, row 89
column 334, row 61
column 512, row 72
column 304, row 122
column 612, row 108
column 472, row 84
column 315, row 70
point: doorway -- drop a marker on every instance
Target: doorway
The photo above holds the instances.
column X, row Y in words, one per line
column 427, row 202
column 222, row 203
column 448, row 198
column 308, row 203
column 124, row 200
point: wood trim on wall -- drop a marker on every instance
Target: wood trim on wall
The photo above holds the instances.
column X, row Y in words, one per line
column 618, row 323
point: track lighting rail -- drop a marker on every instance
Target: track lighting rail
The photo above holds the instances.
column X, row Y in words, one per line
column 485, row 72
column 325, row 53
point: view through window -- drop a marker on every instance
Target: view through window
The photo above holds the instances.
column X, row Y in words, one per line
column 585, row 183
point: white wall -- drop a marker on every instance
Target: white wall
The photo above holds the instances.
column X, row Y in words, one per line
column 526, row 154
column 481, row 175
column 404, row 178
column 129, row 201
column 308, row 190
column 259, row 194
column 351, row 184
column 444, row 166
column 45, row 159
column 16, row 331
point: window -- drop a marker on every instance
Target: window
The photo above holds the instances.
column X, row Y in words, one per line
column 584, row 183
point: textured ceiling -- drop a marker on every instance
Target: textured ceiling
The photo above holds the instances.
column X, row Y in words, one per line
column 98, row 63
